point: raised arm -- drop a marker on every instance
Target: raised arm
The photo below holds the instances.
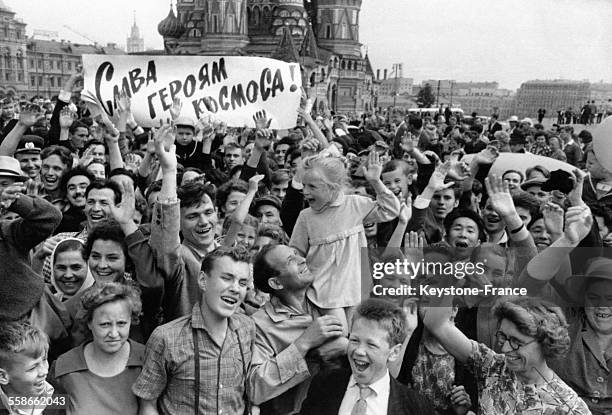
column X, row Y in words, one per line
column 237, row 218
column 165, row 226
column 27, row 118
column 437, row 319
column 38, row 218
column 62, row 101
column 387, row 205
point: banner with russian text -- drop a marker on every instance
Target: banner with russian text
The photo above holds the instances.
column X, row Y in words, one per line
column 233, row 88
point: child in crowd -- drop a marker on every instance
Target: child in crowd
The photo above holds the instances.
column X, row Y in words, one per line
column 330, row 232
column 23, row 370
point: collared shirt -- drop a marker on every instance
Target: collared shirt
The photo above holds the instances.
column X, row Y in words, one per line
column 168, row 375
column 14, row 410
column 586, row 368
column 279, row 375
column 378, row 401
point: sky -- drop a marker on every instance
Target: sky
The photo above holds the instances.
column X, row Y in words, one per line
column 508, row 41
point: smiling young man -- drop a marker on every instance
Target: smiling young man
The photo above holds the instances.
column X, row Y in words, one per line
column 74, row 184
column 56, row 161
column 377, row 333
column 198, row 363
column 28, row 155
column 99, row 197
column 189, row 212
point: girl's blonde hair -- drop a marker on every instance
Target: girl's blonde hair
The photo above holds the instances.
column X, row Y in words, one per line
column 332, row 170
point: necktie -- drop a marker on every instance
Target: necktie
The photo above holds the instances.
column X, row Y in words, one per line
column 361, row 406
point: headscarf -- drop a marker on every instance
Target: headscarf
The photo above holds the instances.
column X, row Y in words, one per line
column 88, row 282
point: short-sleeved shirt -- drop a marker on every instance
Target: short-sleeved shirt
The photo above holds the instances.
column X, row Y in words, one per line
column 168, row 375
column 500, row 392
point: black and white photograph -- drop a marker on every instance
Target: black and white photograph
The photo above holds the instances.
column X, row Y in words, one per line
column 306, row 207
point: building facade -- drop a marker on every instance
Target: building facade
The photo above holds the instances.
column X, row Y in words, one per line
column 551, row 95
column 50, row 63
column 30, row 67
column 321, row 35
column 13, row 41
column 400, row 86
column 134, row 42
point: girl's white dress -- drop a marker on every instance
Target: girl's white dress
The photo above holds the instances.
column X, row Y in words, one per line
column 334, row 242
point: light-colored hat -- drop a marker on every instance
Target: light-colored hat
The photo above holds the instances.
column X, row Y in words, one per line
column 185, row 121
column 514, row 118
column 9, row 167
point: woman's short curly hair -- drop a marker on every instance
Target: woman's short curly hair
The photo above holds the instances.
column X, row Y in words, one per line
column 103, row 293
column 540, row 319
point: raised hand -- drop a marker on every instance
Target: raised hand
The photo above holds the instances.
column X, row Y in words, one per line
column 175, row 109
column 436, row 181
column 499, row 196
column 132, row 162
column 407, row 143
column 151, row 144
column 488, row 155
column 405, row 209
column 123, row 213
column 328, row 124
column 575, row 196
column 578, row 222
column 262, row 139
column 459, row 170
column 374, row 167
column 261, row 120
column 30, row 115
column 124, row 103
column 165, row 147
column 254, row 182
column 10, row 194
column 87, row 157
column 67, row 117
column 205, row 127
column 309, row 147
column 553, row 218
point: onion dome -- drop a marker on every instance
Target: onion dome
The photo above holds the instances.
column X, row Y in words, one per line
column 171, row 26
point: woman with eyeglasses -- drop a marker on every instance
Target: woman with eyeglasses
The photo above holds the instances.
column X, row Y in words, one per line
column 518, row 380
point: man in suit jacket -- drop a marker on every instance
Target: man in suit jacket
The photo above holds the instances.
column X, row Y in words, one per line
column 494, row 126
column 377, row 333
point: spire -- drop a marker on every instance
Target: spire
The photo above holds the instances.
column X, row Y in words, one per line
column 285, row 50
column 309, row 46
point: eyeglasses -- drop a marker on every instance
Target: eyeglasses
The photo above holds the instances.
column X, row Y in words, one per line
column 514, row 343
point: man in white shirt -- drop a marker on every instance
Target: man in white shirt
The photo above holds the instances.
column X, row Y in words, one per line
column 377, row 333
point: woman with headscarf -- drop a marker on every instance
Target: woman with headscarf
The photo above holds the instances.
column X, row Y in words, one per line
column 71, row 274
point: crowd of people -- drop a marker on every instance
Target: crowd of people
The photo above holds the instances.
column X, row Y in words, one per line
column 197, row 269
column 590, row 113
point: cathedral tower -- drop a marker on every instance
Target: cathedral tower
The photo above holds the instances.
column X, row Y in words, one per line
column 338, row 26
